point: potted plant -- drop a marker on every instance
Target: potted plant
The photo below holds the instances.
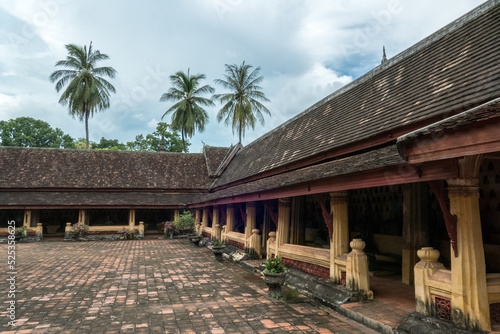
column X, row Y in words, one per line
column 127, row 233
column 79, row 230
column 218, row 250
column 275, row 275
column 195, row 240
column 21, row 233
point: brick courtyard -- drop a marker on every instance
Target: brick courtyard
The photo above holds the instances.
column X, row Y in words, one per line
column 150, row 286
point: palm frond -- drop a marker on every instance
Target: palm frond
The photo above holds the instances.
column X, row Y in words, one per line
column 241, row 107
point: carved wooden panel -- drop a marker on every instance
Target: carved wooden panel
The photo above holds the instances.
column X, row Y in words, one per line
column 443, row 308
column 343, row 276
column 381, row 207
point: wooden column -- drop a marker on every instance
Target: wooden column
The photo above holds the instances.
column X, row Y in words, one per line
column 265, row 228
column 82, row 219
column 204, row 221
column 296, row 223
column 415, row 226
column 197, row 215
column 131, row 218
column 27, row 218
column 469, row 297
column 215, row 223
column 176, row 214
column 340, row 237
column 283, row 231
column 229, row 218
column 251, row 216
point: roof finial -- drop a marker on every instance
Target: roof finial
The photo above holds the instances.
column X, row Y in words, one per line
column 384, row 58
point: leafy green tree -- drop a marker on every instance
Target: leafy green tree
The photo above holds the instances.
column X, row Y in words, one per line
column 81, row 144
column 241, row 108
column 30, row 132
column 187, row 113
column 109, row 144
column 152, row 141
column 86, row 90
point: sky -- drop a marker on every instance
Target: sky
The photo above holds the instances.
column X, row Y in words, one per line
column 306, row 50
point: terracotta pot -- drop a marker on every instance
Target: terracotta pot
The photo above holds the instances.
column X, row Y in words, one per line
column 274, row 282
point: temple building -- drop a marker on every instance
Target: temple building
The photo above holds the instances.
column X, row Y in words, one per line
column 397, row 171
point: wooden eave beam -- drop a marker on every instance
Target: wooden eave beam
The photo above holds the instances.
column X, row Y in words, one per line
column 478, row 138
column 376, row 140
column 401, row 174
column 76, row 207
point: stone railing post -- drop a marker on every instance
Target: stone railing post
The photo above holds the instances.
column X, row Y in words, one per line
column 216, row 232
column 357, row 275
column 39, row 231
column 255, row 248
column 423, row 270
column 223, row 236
column 141, row 230
column 270, row 241
column 67, row 231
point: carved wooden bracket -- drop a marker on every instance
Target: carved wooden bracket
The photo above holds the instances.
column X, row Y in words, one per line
column 449, row 219
column 272, row 214
column 243, row 214
column 327, row 216
column 210, row 213
column 223, row 216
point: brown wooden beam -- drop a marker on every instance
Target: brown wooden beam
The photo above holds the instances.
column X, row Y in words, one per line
column 435, row 170
column 478, row 138
column 379, row 139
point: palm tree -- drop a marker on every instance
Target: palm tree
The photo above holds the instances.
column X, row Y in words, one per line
column 240, row 107
column 187, row 113
column 87, row 91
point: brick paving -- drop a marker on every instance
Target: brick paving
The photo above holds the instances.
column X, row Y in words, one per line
column 150, row 286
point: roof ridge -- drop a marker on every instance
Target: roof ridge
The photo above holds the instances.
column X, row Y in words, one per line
column 94, row 151
column 454, row 25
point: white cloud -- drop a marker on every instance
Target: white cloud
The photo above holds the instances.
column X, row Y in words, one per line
column 306, row 50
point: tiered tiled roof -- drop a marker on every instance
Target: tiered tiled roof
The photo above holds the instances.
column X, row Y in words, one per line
column 81, row 169
column 215, row 156
column 455, row 69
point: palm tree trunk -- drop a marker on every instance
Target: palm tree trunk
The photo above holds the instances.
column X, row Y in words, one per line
column 183, row 141
column 87, row 129
column 239, row 131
